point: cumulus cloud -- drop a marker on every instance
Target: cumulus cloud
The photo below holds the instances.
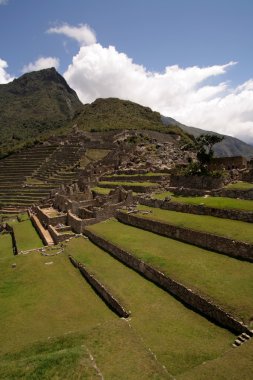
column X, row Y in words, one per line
column 41, row 63
column 4, row 76
column 182, row 93
column 81, row 33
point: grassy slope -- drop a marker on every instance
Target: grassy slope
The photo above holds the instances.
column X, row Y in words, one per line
column 232, row 229
column 227, row 281
column 178, row 337
column 118, row 183
column 216, row 202
column 53, row 321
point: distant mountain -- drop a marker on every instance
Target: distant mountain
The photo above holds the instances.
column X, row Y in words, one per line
column 228, row 147
column 34, row 104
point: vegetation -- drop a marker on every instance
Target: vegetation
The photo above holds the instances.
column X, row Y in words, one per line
column 118, row 183
column 26, row 236
column 33, row 107
column 114, row 114
column 101, row 190
column 96, row 154
column 216, row 202
column 240, row 186
column 178, row 337
column 232, row 229
column 227, row 281
column 203, row 146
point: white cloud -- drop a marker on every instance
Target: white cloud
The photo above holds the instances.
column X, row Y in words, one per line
column 41, row 63
column 4, row 76
column 181, row 93
column 81, row 33
column 3, row 2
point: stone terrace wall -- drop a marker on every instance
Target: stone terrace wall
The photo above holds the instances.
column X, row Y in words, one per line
column 47, row 220
column 234, row 193
column 185, row 295
column 245, row 216
column 220, row 244
column 104, row 293
column 135, row 188
column 196, row 182
column 136, row 178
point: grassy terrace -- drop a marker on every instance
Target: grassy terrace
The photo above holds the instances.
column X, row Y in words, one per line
column 227, row 281
column 26, row 236
column 118, row 183
column 180, row 338
column 150, row 174
column 240, row 186
column 53, row 321
column 232, row 229
column 216, row 202
column 101, row 190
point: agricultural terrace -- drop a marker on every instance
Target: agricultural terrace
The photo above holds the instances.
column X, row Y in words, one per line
column 240, row 186
column 227, row 281
column 232, row 229
column 26, row 236
column 53, row 322
column 180, row 338
column 216, row 202
column 125, row 184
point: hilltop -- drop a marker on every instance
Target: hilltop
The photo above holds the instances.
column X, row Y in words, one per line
column 34, row 104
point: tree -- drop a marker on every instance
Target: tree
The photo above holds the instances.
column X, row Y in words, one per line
column 203, row 146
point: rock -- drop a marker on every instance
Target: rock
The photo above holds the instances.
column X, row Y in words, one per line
column 14, row 265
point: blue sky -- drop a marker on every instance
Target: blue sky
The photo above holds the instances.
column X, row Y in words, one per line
column 196, row 40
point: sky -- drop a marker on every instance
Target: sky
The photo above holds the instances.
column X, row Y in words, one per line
column 191, row 60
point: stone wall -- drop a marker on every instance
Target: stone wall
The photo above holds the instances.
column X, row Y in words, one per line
column 234, row 193
column 186, row 296
column 220, row 244
column 243, row 215
column 47, row 220
column 101, row 290
column 58, row 237
column 136, row 178
column 135, row 188
column 196, row 182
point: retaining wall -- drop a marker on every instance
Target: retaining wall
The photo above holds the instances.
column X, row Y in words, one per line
column 104, row 293
column 135, row 188
column 220, row 244
column 242, row 215
column 10, row 230
column 234, row 193
column 179, row 291
column 196, row 182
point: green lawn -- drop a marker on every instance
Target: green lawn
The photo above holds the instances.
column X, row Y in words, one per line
column 53, row 321
column 227, row 281
column 240, row 185
column 180, row 338
column 232, row 229
column 26, row 236
column 217, row 202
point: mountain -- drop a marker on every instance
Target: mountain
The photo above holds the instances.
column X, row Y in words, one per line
column 228, row 147
column 34, row 104
column 113, row 114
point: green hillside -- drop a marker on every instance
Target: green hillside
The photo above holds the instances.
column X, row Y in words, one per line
column 35, row 104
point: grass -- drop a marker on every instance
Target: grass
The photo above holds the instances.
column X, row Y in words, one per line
column 96, row 154
column 118, row 183
column 150, row 174
column 53, row 321
column 26, row 236
column 101, row 190
column 40, row 301
column 227, row 281
column 233, row 365
column 5, row 246
column 232, row 229
column 178, row 337
column 240, row 186
column 216, row 202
